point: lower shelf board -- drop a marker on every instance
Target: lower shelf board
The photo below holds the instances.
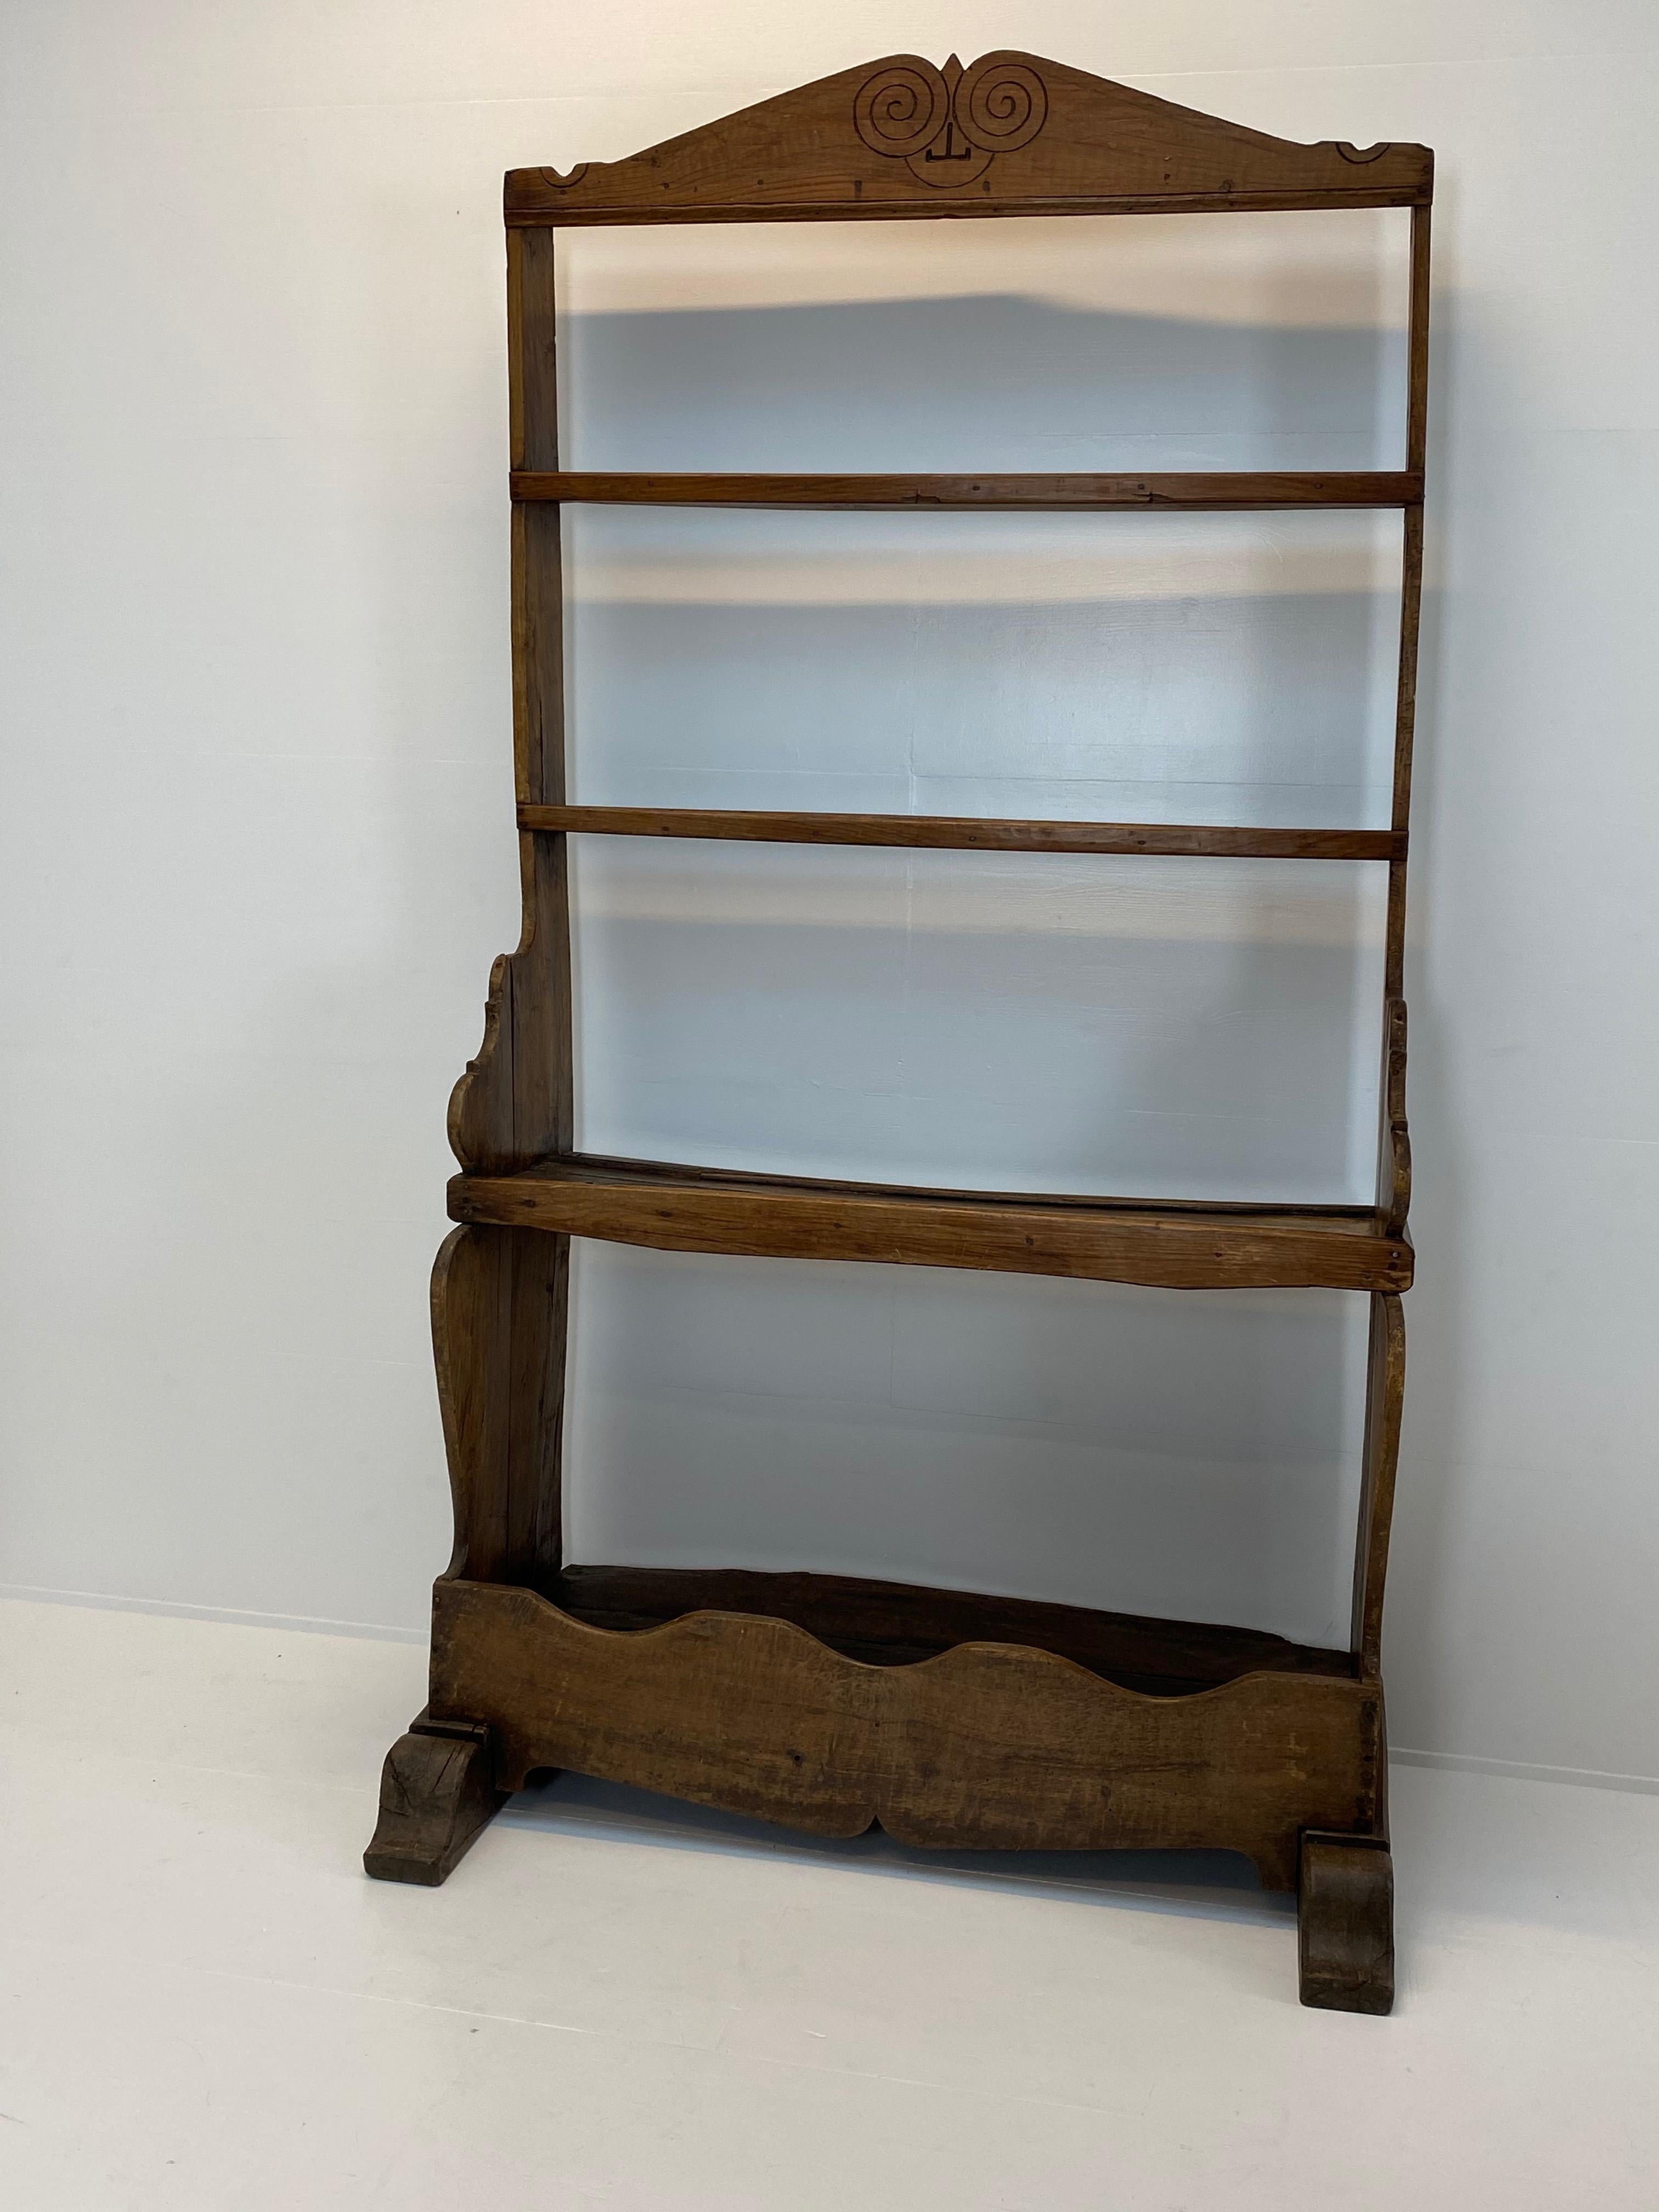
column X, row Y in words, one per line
column 895, row 1624
column 1171, row 1244
column 996, row 1745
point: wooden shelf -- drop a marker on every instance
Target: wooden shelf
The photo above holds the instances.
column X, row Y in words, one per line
column 1216, row 491
column 898, row 1624
column 970, row 833
column 1176, row 1244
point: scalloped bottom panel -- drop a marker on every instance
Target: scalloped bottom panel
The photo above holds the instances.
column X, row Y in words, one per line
column 991, row 1745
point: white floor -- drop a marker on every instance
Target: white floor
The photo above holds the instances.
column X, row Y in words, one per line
column 618, row 2003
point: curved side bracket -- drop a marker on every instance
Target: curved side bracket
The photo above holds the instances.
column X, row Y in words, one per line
column 512, row 1104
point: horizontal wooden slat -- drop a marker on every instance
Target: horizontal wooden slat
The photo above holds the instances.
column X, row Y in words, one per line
column 532, row 203
column 1220, row 490
column 971, row 833
column 1186, row 1246
column 895, row 1624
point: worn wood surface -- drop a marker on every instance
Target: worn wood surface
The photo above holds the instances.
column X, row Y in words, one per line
column 437, row 1793
column 818, row 1700
column 716, row 1178
column 969, row 833
column 893, row 1624
column 1012, row 134
column 1224, row 491
column 672, row 1209
column 1393, row 1166
column 515, row 1101
column 499, row 1309
column 1345, row 1924
column 1385, row 1395
column 1410, row 591
column 989, row 1744
column 500, row 1298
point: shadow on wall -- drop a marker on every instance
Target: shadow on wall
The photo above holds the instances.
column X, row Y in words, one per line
column 980, row 381
column 1188, row 1028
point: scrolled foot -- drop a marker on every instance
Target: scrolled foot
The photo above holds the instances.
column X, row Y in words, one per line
column 437, row 1791
column 1345, row 1924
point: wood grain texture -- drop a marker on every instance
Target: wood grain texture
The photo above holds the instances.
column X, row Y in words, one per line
column 1394, row 1173
column 969, row 833
column 669, row 1209
column 500, row 1300
column 1411, row 593
column 1012, row 134
column 991, row 1745
column 894, row 1623
column 951, row 1717
column 1211, row 491
column 1385, row 1395
column 515, row 1100
column 437, row 1794
column 1417, row 389
column 1345, row 1924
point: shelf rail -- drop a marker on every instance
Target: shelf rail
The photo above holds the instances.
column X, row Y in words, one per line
column 970, row 833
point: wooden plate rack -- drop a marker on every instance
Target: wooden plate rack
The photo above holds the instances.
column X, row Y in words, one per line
column 815, row 1700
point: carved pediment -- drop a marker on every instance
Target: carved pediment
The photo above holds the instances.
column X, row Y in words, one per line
column 1011, row 134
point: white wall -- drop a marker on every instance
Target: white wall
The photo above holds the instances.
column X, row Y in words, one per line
column 257, row 849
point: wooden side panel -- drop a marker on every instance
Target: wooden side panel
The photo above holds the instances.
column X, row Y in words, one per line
column 1394, row 1164
column 498, row 1310
column 1385, row 1397
column 514, row 1101
column 1012, row 134
column 499, row 1296
column 1393, row 1174
column 987, row 1745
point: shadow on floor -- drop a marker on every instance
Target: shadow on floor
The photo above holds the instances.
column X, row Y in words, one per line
column 1207, row 1884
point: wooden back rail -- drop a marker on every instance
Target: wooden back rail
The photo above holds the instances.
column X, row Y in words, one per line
column 971, row 833
column 1216, row 492
column 828, row 1703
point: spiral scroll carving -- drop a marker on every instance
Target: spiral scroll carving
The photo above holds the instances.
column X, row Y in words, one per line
column 902, row 110
column 1001, row 105
column 946, row 125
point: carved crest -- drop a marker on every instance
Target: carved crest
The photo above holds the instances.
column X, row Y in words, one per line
column 922, row 136
column 948, row 126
